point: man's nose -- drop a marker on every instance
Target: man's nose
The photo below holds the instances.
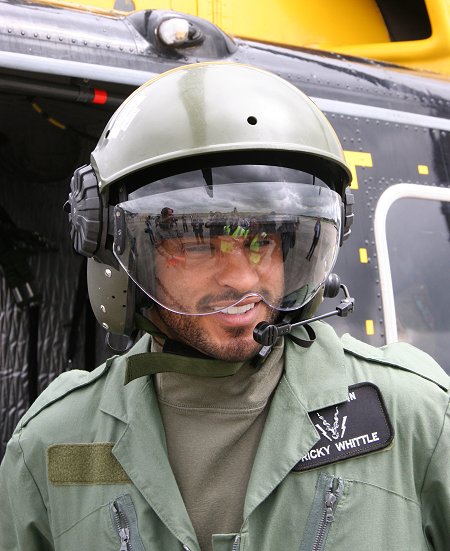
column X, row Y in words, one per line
column 236, row 270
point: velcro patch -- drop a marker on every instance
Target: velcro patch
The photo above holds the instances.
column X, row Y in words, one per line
column 71, row 464
column 350, row 429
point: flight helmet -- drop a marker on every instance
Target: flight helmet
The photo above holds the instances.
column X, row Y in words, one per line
column 199, row 164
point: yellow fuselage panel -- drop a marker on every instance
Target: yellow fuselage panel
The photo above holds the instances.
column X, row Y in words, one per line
column 353, row 27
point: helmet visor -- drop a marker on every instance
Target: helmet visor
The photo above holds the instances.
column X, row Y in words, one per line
column 206, row 240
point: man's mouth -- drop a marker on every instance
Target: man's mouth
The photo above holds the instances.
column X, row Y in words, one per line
column 236, row 310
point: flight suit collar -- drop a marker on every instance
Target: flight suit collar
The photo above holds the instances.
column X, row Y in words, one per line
column 114, row 386
column 318, row 374
column 314, row 378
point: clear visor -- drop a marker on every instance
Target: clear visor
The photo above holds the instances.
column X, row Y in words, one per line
column 203, row 241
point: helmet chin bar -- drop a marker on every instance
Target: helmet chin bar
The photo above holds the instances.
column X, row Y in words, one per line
column 267, row 334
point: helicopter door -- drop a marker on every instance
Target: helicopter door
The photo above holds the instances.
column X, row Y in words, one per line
column 412, row 235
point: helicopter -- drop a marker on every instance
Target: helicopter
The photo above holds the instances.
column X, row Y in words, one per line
column 65, row 68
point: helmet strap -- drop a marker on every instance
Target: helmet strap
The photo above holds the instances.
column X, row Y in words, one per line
column 149, row 363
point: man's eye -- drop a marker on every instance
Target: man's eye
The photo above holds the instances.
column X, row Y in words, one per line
column 260, row 243
column 197, row 250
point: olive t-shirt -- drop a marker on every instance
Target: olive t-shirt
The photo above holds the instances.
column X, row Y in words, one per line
column 213, row 427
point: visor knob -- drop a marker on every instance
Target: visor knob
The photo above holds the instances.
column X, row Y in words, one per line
column 332, row 286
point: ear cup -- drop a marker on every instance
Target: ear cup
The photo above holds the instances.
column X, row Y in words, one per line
column 112, row 297
column 111, row 291
column 85, row 211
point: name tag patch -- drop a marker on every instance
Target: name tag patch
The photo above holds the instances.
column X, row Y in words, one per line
column 350, row 429
column 90, row 463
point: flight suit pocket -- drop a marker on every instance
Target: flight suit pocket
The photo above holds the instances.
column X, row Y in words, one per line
column 329, row 491
column 352, row 514
column 84, row 528
column 110, row 525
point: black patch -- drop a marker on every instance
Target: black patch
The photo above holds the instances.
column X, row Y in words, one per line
column 356, row 427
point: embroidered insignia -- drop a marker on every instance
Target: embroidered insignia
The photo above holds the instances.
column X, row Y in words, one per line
column 356, row 427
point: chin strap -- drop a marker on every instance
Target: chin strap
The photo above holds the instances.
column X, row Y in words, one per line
column 303, row 342
column 144, row 324
column 149, row 363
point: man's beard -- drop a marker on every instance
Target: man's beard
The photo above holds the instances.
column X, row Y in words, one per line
column 234, row 348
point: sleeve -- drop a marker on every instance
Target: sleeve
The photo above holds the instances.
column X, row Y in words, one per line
column 24, row 522
column 436, row 493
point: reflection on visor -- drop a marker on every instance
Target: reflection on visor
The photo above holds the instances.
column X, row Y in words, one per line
column 257, row 248
column 197, row 248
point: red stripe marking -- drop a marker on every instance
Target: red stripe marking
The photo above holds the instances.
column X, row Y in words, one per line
column 100, row 96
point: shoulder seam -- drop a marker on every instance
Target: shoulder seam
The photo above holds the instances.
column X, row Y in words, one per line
column 434, row 450
column 397, row 365
column 68, row 391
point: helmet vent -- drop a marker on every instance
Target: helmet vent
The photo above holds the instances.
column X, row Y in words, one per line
column 252, row 120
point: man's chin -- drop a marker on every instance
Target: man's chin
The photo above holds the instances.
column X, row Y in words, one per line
column 231, row 344
column 239, row 350
column 236, row 345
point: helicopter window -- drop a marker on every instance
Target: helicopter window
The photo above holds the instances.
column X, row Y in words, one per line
column 412, row 232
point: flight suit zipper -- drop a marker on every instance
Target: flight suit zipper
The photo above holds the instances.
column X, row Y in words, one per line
column 236, row 543
column 122, row 527
column 332, row 494
column 124, row 522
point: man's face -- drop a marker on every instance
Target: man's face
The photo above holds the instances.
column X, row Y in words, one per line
column 202, row 277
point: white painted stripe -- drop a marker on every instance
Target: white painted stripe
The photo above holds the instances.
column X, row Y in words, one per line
column 386, row 200
column 119, row 75
column 381, row 113
column 62, row 67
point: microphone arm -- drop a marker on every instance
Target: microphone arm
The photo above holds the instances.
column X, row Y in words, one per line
column 266, row 334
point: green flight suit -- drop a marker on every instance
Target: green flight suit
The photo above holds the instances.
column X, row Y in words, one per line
column 87, row 466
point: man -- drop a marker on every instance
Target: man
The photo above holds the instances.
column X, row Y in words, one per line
column 315, row 239
column 226, row 435
column 197, row 225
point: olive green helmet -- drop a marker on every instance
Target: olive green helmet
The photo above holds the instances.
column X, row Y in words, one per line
column 216, row 108
column 193, row 117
